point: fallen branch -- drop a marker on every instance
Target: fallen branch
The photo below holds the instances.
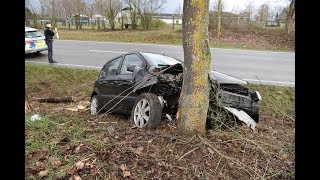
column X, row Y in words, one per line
column 54, row 99
column 27, row 105
column 107, row 122
column 188, row 153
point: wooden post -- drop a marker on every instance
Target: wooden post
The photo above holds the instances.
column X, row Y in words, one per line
column 173, row 22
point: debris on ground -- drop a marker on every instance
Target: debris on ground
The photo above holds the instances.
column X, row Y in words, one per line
column 55, row 99
column 35, row 117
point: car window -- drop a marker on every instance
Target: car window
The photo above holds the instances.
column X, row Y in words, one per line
column 33, row 34
column 130, row 60
column 111, row 68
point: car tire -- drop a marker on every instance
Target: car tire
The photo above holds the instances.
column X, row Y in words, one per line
column 146, row 111
column 95, row 105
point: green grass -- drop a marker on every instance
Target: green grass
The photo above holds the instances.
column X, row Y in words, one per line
column 59, row 81
column 277, row 100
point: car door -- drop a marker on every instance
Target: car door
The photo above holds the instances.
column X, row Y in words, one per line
column 124, row 83
column 106, row 82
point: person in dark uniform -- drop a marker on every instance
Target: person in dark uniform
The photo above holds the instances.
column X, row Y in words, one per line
column 48, row 33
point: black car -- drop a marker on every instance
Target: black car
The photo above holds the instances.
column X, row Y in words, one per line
column 148, row 86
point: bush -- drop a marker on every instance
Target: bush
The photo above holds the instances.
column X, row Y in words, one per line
column 158, row 24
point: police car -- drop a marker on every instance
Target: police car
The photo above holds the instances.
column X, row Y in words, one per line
column 34, row 41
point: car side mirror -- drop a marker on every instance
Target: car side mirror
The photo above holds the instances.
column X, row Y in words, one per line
column 131, row 68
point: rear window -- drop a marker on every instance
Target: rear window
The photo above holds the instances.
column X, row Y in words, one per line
column 33, row 34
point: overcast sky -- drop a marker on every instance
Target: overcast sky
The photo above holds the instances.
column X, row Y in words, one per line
column 172, row 5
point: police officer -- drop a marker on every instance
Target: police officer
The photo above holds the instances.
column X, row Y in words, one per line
column 48, row 33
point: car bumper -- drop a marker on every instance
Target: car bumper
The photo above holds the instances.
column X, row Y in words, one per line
column 36, row 50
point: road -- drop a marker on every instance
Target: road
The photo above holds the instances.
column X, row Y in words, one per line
column 273, row 68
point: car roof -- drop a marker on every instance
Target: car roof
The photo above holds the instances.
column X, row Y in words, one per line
column 30, row 29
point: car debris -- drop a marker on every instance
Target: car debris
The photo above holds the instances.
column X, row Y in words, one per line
column 35, row 117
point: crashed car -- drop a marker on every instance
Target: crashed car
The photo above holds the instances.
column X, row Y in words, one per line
column 148, row 87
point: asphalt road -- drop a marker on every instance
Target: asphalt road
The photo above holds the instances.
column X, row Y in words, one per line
column 273, row 68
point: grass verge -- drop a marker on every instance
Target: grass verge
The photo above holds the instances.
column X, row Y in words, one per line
column 237, row 40
column 64, row 143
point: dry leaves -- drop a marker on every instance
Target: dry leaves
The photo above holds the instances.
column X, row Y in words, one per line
column 78, row 148
column 125, row 171
column 43, row 173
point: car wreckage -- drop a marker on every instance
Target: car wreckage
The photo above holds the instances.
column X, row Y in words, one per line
column 148, row 87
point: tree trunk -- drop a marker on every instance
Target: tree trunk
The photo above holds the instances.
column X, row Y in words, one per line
column 194, row 100
column 219, row 18
column 290, row 17
column 98, row 21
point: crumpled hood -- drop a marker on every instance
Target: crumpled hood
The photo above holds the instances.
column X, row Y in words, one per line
column 225, row 79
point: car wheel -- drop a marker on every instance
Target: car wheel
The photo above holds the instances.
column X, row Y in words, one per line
column 146, row 111
column 95, row 105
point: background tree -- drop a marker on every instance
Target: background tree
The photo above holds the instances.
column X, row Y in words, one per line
column 90, row 10
column 68, row 10
column 219, row 18
column 146, row 9
column 80, row 6
column 101, row 6
column 290, row 17
column 248, row 11
column 194, row 99
column 263, row 13
column 114, row 7
column 133, row 13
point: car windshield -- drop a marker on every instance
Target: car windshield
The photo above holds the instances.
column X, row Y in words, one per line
column 33, row 34
column 160, row 60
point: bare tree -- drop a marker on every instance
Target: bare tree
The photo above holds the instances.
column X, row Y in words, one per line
column 49, row 10
column 263, row 13
column 80, row 7
column 194, row 99
column 90, row 10
column 102, row 9
column 133, row 13
column 68, row 10
column 290, row 17
column 146, row 9
column 248, row 12
column 114, row 7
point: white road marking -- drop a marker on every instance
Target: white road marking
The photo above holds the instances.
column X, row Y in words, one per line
column 108, row 51
column 60, row 64
column 267, row 81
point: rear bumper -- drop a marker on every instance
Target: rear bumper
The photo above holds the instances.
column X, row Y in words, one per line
column 36, row 50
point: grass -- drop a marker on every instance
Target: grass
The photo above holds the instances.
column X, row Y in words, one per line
column 274, row 97
column 62, row 138
column 169, row 36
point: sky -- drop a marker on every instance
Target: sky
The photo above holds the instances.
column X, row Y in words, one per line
column 172, row 5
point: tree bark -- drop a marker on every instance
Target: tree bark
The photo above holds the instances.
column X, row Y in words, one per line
column 290, row 17
column 194, row 99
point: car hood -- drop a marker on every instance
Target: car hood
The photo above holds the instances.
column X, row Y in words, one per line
column 222, row 78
